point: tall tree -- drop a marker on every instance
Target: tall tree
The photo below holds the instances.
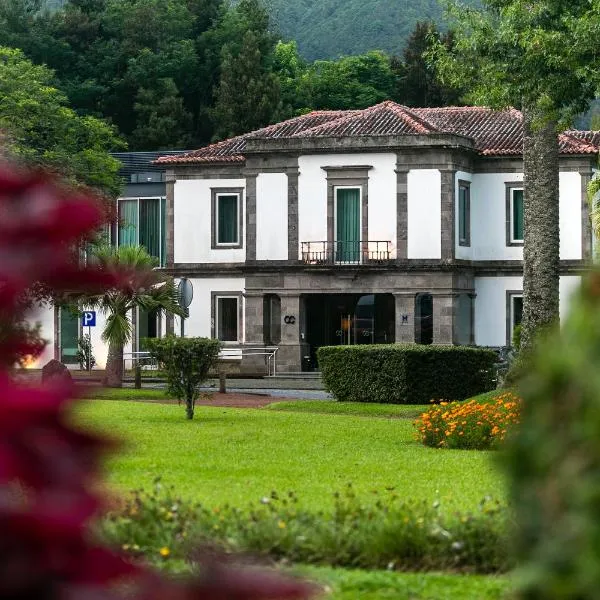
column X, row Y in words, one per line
column 247, row 96
column 351, row 82
column 543, row 58
column 41, row 129
column 418, row 82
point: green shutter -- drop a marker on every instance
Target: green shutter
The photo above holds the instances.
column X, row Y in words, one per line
column 128, row 222
column 150, row 225
column 69, row 336
column 463, row 215
column 348, row 225
column 517, row 215
column 227, row 225
column 163, row 232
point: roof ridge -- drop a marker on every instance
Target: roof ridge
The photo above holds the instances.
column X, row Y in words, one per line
column 414, row 119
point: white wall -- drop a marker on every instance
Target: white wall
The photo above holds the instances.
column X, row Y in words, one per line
column 462, row 252
column 490, row 305
column 570, row 216
column 193, row 222
column 312, row 195
column 488, row 217
column 272, row 216
column 199, row 322
column 424, row 213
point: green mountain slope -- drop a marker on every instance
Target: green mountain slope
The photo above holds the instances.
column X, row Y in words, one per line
column 330, row 28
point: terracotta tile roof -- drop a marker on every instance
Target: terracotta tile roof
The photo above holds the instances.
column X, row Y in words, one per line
column 231, row 150
column 387, row 118
column 495, row 133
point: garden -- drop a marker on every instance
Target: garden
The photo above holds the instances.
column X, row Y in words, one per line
column 344, row 491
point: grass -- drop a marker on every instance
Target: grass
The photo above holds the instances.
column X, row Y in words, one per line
column 127, row 394
column 383, row 585
column 237, row 456
column 360, row 409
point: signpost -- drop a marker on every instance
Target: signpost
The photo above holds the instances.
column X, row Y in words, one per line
column 185, row 291
column 88, row 319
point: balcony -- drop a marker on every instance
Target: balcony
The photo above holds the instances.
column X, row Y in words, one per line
column 346, row 253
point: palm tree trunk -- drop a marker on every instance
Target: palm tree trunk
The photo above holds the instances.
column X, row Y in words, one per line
column 114, row 366
column 541, row 253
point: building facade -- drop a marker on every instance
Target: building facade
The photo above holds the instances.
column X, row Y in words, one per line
column 380, row 225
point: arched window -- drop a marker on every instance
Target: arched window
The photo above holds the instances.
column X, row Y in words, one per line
column 424, row 319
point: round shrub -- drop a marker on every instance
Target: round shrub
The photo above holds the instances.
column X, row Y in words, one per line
column 472, row 425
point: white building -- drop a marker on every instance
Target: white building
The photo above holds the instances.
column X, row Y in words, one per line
column 387, row 224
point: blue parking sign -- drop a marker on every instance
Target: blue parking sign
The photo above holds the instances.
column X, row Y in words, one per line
column 88, row 318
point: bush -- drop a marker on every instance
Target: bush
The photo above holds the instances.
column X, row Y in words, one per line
column 406, row 374
column 187, row 362
column 469, row 425
column 386, row 533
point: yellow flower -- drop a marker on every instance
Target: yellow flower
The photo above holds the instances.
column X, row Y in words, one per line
column 281, row 525
column 164, row 552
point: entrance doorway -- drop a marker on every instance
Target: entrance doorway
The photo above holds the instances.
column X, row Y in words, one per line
column 347, row 319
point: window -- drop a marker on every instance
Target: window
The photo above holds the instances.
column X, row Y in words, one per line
column 514, row 219
column 227, row 225
column 424, row 319
column 271, row 319
column 142, row 221
column 226, row 318
column 464, row 214
column 69, row 336
column 347, row 224
column 514, row 314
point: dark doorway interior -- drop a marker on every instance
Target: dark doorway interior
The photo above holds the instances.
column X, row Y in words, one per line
column 347, row 319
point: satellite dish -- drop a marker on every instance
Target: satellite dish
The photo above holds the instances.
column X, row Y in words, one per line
column 185, row 291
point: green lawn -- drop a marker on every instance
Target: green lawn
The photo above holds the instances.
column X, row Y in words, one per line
column 348, row 584
column 360, row 409
column 238, row 456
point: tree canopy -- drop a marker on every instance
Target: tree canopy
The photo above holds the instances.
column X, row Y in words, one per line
column 41, row 129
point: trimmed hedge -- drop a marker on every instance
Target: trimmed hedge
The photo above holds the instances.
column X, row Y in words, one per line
column 406, row 374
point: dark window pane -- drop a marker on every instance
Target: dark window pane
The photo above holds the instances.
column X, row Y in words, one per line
column 227, row 226
column 227, row 319
column 150, row 225
column 424, row 319
column 517, row 215
column 517, row 310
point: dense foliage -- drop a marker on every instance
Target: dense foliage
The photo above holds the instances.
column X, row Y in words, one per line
column 472, row 425
column 555, row 459
column 187, row 362
column 330, row 28
column 381, row 532
column 215, row 71
column 406, row 374
column 37, row 126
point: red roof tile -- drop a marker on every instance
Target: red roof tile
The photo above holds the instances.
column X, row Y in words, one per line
column 387, row 118
column 495, row 133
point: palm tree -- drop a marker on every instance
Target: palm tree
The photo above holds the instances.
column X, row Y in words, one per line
column 145, row 288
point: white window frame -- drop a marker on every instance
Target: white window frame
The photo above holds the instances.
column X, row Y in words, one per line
column 137, row 232
column 360, row 222
column 237, row 243
column 237, row 312
column 511, row 222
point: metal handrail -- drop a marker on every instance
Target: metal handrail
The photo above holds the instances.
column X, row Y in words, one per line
column 346, row 252
column 269, row 351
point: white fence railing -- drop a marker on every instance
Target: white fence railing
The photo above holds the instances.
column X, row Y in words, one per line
column 131, row 359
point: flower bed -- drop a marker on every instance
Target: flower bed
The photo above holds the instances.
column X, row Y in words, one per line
column 473, row 425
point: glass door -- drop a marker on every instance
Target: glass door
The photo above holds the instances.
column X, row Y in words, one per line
column 347, row 227
column 69, row 337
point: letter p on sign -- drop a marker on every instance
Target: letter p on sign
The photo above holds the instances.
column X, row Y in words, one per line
column 88, row 318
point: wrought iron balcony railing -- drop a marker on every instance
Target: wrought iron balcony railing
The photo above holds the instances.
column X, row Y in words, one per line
column 346, row 253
